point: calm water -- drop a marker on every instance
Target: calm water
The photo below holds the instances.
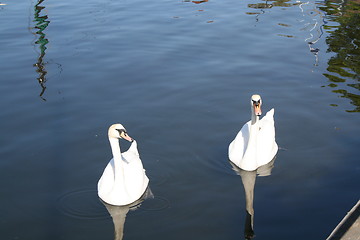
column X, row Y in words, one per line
column 179, row 75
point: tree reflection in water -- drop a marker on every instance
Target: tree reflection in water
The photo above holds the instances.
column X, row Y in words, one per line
column 344, row 40
column 268, row 4
column 343, row 69
column 248, row 179
column 41, row 22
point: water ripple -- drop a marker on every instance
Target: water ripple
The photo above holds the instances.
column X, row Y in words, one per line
column 82, row 204
column 155, row 204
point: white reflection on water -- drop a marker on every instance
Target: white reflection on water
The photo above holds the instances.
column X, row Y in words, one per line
column 248, row 179
column 118, row 213
column 313, row 21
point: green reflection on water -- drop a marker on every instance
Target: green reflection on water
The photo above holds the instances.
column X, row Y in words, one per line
column 270, row 4
column 344, row 40
column 41, row 23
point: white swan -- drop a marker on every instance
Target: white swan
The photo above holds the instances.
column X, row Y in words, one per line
column 124, row 180
column 255, row 144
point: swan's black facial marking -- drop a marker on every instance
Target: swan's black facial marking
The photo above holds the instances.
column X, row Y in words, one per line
column 121, row 131
column 256, row 103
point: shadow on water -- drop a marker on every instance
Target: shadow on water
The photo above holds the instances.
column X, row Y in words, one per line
column 118, row 213
column 248, row 179
column 344, row 40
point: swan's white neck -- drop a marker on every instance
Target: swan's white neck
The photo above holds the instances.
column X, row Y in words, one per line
column 254, row 118
column 254, row 128
column 115, row 148
column 118, row 169
column 251, row 149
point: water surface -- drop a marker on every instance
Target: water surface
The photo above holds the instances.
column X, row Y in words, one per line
column 178, row 75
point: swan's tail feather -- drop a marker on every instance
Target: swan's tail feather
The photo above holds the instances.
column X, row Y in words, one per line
column 133, row 148
column 270, row 113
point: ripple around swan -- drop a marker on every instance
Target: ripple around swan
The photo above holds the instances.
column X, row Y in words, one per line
column 215, row 163
column 82, row 204
column 155, row 204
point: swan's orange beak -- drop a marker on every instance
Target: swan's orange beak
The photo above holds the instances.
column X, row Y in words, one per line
column 128, row 138
column 125, row 136
column 257, row 109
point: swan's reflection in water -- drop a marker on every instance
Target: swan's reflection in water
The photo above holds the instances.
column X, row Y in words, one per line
column 118, row 213
column 248, row 179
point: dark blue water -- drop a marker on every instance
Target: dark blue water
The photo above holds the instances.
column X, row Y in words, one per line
column 178, row 75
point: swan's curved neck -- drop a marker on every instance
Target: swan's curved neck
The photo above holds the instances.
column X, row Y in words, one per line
column 253, row 132
column 115, row 148
column 254, row 118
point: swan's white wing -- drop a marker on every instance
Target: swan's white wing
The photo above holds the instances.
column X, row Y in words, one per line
column 238, row 146
column 267, row 147
column 132, row 154
column 133, row 148
column 134, row 173
column 269, row 116
column 106, row 182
